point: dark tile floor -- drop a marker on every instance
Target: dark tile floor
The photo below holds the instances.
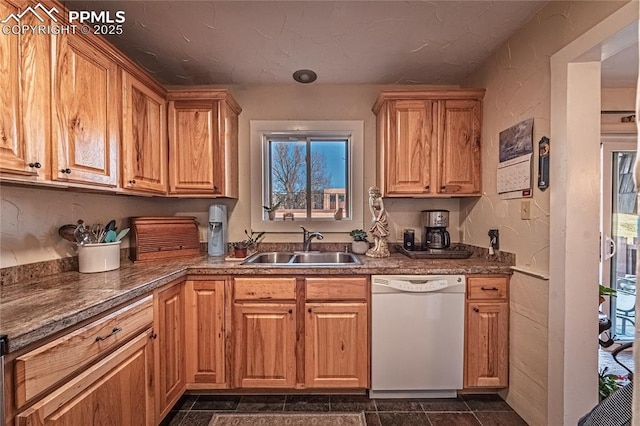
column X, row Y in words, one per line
column 472, row 410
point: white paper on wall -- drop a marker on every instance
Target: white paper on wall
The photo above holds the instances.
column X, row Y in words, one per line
column 516, row 153
column 515, row 175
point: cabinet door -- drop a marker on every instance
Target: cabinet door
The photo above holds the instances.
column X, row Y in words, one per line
column 85, row 113
column 192, row 129
column 412, row 135
column 265, row 345
column 24, row 99
column 486, row 345
column 459, row 158
column 205, row 331
column 144, row 138
column 114, row 391
column 170, row 359
column 336, row 350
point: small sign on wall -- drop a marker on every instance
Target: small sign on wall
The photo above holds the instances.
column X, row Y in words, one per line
column 514, row 169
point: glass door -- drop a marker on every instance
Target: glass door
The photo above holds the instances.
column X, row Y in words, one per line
column 619, row 233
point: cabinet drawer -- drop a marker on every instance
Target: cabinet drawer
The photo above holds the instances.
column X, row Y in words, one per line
column 264, row 288
column 39, row 369
column 336, row 288
column 487, row 288
column 115, row 390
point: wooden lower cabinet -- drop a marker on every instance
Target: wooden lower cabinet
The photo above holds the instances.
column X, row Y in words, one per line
column 170, row 371
column 336, row 345
column 204, row 333
column 116, row 390
column 265, row 345
column 487, row 333
column 292, row 332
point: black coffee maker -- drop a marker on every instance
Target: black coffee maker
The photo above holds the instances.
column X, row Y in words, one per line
column 434, row 229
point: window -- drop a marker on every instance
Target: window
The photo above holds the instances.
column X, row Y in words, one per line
column 308, row 169
column 307, row 176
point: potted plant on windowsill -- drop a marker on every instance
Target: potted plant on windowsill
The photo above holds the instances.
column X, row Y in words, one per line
column 241, row 248
column 271, row 210
column 360, row 244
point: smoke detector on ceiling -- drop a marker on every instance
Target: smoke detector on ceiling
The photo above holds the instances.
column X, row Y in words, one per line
column 305, row 76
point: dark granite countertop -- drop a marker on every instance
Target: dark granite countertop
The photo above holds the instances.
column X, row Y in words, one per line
column 31, row 311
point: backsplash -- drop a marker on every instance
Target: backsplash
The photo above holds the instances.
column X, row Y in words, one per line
column 31, row 271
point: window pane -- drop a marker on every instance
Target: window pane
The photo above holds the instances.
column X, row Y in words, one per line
column 288, row 177
column 328, row 178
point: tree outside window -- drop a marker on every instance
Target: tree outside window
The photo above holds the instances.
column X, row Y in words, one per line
column 308, row 176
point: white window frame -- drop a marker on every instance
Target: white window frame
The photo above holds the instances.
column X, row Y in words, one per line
column 261, row 129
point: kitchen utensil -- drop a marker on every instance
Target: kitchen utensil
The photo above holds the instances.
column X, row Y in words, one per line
column 98, row 231
column 82, row 234
column 122, row 234
column 67, row 233
column 110, row 237
column 111, row 226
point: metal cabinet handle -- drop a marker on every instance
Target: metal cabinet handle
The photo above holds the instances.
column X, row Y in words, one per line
column 290, row 311
column 310, row 310
column 35, row 165
column 153, row 336
column 426, row 187
column 489, row 288
column 115, row 331
column 443, row 187
column 132, row 181
column 475, row 309
column 216, row 190
column 67, row 171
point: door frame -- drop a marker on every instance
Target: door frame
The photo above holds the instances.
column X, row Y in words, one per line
column 574, row 218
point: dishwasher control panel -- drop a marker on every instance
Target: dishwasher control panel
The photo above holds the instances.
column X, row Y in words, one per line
column 418, row 283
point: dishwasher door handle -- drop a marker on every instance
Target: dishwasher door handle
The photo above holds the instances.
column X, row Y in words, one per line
column 418, row 285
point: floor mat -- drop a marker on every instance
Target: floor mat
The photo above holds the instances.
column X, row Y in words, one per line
column 264, row 419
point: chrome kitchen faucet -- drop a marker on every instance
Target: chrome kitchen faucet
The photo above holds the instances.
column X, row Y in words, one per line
column 307, row 236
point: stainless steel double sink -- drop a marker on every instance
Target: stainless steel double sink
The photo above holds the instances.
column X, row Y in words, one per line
column 278, row 258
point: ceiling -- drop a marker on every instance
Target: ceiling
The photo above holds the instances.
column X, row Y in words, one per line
column 621, row 70
column 344, row 42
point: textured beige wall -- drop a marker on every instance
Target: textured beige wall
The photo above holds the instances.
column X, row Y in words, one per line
column 517, row 79
column 30, row 218
column 328, row 102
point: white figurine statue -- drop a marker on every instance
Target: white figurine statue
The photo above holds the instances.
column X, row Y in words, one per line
column 379, row 224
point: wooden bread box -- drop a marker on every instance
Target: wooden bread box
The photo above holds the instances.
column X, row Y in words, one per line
column 158, row 237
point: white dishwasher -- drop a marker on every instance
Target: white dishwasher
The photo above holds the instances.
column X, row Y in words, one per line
column 417, row 335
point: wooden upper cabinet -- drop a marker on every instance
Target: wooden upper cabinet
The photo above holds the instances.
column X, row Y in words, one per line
column 144, row 137
column 459, row 159
column 24, row 99
column 85, row 113
column 409, row 148
column 429, row 142
column 203, row 143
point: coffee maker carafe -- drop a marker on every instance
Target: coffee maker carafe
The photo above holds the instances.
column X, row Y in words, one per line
column 217, row 230
column 434, row 229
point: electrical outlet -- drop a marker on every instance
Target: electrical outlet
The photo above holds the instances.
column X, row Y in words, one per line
column 203, row 234
column 525, row 210
column 399, row 236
